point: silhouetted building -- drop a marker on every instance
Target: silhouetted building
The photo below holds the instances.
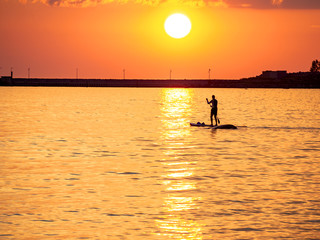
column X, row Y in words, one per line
column 274, row 74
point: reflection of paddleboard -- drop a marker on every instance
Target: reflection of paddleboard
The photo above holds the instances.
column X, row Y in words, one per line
column 224, row 126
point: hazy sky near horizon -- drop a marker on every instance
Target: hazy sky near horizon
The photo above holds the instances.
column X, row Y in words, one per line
column 100, row 38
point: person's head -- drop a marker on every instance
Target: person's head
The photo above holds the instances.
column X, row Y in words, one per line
column 213, row 97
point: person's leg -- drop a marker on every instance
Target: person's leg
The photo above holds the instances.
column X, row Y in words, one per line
column 211, row 117
column 215, row 118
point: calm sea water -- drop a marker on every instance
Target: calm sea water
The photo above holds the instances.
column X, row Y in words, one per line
column 123, row 163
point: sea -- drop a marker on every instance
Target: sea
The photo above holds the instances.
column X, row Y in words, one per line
column 124, row 163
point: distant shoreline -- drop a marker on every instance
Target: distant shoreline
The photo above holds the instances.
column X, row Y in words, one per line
column 292, row 80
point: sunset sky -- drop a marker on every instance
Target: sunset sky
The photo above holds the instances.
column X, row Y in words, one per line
column 100, row 38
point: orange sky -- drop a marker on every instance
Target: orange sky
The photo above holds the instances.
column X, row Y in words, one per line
column 235, row 38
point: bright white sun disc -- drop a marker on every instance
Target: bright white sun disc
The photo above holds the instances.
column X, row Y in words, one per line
column 177, row 25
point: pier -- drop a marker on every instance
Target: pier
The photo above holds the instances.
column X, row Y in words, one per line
column 291, row 80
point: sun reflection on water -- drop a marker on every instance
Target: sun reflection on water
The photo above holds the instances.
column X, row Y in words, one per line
column 177, row 216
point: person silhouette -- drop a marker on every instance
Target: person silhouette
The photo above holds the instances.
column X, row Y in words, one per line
column 214, row 109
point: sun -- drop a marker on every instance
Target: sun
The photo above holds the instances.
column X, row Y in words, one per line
column 177, row 25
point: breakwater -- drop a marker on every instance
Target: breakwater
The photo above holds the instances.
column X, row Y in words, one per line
column 290, row 81
column 115, row 82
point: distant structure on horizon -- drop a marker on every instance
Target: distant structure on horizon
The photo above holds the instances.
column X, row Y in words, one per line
column 273, row 74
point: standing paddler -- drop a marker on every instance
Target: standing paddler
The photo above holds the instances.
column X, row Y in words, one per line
column 214, row 109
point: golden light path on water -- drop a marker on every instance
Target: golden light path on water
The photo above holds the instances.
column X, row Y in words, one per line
column 179, row 169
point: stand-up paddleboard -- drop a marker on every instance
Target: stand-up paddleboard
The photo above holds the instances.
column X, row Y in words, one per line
column 224, row 126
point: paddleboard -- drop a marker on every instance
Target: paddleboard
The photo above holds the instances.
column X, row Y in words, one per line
column 224, row 126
